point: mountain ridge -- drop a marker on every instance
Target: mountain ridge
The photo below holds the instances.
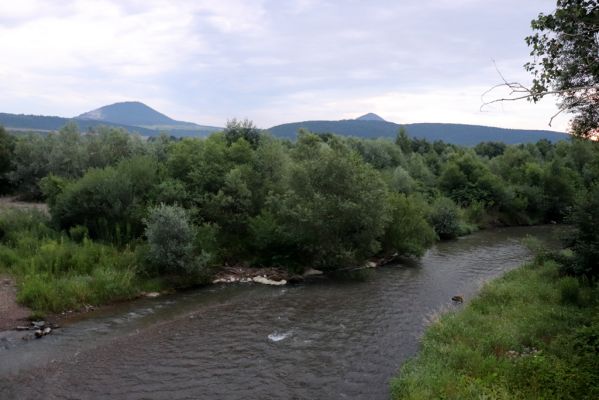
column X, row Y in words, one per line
column 461, row 134
column 139, row 118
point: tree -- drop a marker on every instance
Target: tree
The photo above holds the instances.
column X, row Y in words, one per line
column 565, row 48
column 565, row 51
column 6, row 155
column 408, row 232
column 170, row 240
column 245, row 129
column 403, row 140
column 332, row 212
column 585, row 240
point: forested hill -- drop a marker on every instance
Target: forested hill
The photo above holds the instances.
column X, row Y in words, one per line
column 460, row 134
column 132, row 116
column 43, row 123
column 139, row 118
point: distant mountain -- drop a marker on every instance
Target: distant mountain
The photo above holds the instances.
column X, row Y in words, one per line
column 132, row 116
column 370, row 117
column 135, row 113
column 460, row 134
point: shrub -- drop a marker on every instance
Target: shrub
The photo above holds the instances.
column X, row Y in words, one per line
column 170, row 240
column 408, row 232
column 333, row 211
column 585, row 240
column 445, row 218
column 569, row 289
column 110, row 202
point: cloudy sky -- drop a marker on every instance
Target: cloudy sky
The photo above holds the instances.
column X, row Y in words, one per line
column 271, row 61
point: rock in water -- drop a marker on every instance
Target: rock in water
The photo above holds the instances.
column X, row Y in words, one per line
column 312, row 272
column 47, row 330
column 265, row 281
column 39, row 333
column 458, row 299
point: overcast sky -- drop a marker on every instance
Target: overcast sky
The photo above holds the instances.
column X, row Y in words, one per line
column 271, row 61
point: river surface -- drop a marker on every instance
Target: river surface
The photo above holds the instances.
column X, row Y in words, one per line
column 319, row 340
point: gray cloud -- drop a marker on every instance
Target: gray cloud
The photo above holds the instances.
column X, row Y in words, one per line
column 272, row 61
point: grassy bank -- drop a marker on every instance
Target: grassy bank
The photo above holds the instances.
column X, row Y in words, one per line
column 54, row 272
column 531, row 334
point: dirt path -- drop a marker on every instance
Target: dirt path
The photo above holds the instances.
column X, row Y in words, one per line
column 11, row 313
column 12, row 202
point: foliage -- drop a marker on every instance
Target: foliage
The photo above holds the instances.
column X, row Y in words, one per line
column 585, row 240
column 565, row 47
column 67, row 154
column 332, row 212
column 245, row 129
column 408, row 232
column 110, row 202
column 6, row 156
column 445, row 218
column 170, row 240
column 56, row 274
column 323, row 201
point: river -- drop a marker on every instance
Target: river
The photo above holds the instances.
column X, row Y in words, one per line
column 320, row 340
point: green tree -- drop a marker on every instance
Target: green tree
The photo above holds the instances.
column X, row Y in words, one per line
column 408, row 232
column 332, row 212
column 565, row 48
column 170, row 240
column 445, row 218
column 110, row 202
column 6, row 159
column 585, row 241
column 403, row 140
column 245, row 129
column 30, row 164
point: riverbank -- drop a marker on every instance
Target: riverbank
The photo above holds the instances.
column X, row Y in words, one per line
column 331, row 338
column 529, row 334
column 12, row 313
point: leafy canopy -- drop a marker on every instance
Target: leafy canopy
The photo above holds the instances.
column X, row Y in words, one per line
column 565, row 50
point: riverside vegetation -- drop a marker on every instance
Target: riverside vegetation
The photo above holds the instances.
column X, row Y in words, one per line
column 128, row 215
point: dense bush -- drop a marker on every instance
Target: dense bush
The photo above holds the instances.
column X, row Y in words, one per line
column 445, row 218
column 110, row 202
column 170, row 240
column 408, row 232
column 585, row 239
column 332, row 212
column 6, row 159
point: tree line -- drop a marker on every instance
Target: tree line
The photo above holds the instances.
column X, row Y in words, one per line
column 325, row 201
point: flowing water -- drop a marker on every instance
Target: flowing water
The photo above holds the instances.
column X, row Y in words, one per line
column 320, row 340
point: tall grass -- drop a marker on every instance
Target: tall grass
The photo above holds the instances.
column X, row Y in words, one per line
column 529, row 335
column 55, row 273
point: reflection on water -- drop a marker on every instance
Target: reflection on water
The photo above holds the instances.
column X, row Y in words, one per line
column 323, row 340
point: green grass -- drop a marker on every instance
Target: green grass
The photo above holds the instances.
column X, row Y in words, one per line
column 55, row 273
column 529, row 335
